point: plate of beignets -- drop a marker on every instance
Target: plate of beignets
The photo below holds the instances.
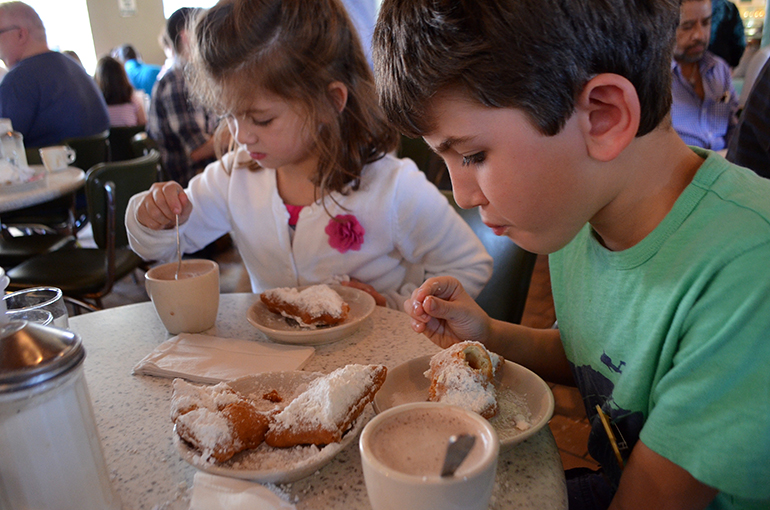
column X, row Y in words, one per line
column 288, row 324
column 524, row 402
column 274, row 427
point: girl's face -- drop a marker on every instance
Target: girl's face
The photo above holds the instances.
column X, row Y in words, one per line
column 273, row 131
column 528, row 186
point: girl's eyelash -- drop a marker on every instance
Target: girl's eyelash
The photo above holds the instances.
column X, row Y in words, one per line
column 474, row 159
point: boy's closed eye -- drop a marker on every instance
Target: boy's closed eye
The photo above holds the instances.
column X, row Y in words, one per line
column 474, row 159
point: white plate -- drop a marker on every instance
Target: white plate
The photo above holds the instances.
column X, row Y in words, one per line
column 277, row 328
column 38, row 179
column 522, row 396
column 274, row 465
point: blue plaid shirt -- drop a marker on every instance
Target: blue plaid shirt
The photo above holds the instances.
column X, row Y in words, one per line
column 178, row 125
column 710, row 122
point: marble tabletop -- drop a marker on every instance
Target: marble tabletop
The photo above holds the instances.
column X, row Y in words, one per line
column 54, row 185
column 147, row 472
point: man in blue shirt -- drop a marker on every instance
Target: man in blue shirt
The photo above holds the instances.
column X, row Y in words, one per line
column 705, row 105
column 142, row 76
column 47, row 95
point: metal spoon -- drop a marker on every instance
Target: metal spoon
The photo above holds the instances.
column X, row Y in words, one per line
column 457, row 450
column 178, row 250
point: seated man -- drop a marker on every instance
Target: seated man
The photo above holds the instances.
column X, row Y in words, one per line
column 704, row 101
column 46, row 94
column 142, row 76
column 750, row 144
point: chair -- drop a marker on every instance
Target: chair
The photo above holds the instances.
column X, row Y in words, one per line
column 121, row 148
column 505, row 295
column 89, row 273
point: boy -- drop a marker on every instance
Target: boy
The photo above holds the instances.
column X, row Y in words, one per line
column 554, row 118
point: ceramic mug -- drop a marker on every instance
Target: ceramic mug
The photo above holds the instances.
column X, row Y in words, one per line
column 190, row 303
column 57, row 157
column 403, row 450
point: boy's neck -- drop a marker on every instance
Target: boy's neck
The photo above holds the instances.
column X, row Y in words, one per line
column 654, row 171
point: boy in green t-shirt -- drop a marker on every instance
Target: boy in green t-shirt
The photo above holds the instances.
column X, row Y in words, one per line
column 554, row 118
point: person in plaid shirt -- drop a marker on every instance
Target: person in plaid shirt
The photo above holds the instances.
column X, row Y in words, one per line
column 183, row 130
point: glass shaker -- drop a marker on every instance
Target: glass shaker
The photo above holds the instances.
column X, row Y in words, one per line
column 52, row 456
column 12, row 151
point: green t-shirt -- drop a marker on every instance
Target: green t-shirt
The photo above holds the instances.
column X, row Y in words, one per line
column 671, row 337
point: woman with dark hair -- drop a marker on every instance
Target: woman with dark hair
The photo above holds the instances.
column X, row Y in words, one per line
column 124, row 104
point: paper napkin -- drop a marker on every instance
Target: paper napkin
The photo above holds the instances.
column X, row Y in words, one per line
column 210, row 359
column 212, row 492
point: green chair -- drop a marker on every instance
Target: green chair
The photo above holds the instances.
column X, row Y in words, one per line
column 121, row 148
column 90, row 273
column 505, row 295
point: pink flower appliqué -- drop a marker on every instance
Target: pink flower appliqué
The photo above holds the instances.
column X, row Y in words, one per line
column 345, row 233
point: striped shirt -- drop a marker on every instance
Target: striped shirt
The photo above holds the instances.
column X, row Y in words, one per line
column 706, row 123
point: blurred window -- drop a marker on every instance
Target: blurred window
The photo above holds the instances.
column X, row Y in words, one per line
column 68, row 27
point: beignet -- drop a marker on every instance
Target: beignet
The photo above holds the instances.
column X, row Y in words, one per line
column 325, row 411
column 317, row 305
column 463, row 375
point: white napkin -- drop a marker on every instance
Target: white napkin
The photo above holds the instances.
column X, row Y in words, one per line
column 212, row 492
column 210, row 359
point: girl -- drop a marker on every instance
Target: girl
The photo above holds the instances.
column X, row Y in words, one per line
column 124, row 105
column 310, row 194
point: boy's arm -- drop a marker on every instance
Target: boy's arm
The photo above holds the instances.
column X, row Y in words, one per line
column 651, row 481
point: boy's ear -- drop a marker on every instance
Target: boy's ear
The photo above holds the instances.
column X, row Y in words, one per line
column 609, row 115
column 338, row 93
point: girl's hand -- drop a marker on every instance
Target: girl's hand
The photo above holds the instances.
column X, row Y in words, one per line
column 442, row 310
column 158, row 209
column 379, row 299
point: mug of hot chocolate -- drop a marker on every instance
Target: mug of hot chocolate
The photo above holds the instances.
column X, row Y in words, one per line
column 186, row 298
column 403, row 453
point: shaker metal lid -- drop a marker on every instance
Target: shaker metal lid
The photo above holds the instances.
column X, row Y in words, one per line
column 31, row 354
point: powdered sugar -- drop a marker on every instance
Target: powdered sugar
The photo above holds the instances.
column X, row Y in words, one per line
column 316, row 300
column 327, row 400
column 188, row 396
column 211, row 430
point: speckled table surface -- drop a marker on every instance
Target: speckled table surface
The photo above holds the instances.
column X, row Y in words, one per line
column 147, row 472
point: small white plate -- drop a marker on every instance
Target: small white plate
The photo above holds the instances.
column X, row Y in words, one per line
column 36, row 180
column 522, row 396
column 266, row 464
column 277, row 328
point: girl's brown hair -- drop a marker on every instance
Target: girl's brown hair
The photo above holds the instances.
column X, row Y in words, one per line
column 295, row 49
column 111, row 78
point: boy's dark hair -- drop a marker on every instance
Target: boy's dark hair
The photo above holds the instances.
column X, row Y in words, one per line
column 536, row 55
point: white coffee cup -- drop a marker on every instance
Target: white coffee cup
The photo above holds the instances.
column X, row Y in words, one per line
column 403, row 450
column 57, row 157
column 188, row 304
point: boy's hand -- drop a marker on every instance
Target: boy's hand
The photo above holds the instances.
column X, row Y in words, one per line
column 442, row 310
column 158, row 209
column 379, row 299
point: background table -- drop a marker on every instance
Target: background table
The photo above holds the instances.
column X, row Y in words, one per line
column 132, row 413
column 57, row 184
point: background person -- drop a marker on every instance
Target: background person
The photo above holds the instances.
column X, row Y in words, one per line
column 183, row 130
column 750, row 144
column 658, row 251
column 47, row 95
column 124, row 106
column 705, row 105
column 141, row 75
